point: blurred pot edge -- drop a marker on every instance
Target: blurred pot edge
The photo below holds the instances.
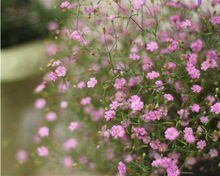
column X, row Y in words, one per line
column 22, row 61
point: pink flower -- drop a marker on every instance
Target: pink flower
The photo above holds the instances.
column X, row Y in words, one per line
column 205, row 65
column 117, row 131
column 40, row 87
column 73, row 126
column 52, row 25
column 70, row 144
column 92, row 82
column 216, row 108
column 114, row 105
column 212, row 55
column 204, row 119
column 68, row 162
column 63, row 104
column 136, row 103
column 109, row 115
column 64, row 4
column 196, row 46
column 213, row 153
column 218, row 125
column 134, row 81
column 134, row 56
column 81, row 85
column 152, row 75
column 215, row 20
column 42, row 151
column 195, row 107
column 51, row 116
column 170, row 66
column 56, row 63
column 169, row 97
column 210, row 98
column 52, row 76
column 196, row 88
column 121, row 168
column 61, row 71
column 125, row 123
column 43, row 131
column 194, row 73
column 201, row 144
column 138, row 4
column 171, row 133
column 152, row 46
column 111, row 17
column 159, row 85
column 86, row 101
column 40, row 103
column 186, row 24
column 21, row 156
column 188, row 136
column 120, row 84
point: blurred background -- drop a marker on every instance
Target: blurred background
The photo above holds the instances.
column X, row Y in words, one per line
column 24, row 36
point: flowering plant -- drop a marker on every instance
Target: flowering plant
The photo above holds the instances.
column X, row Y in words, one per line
column 140, row 80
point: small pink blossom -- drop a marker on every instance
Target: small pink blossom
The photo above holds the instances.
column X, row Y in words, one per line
column 92, row 82
column 204, row 119
column 196, row 46
column 213, row 153
column 134, row 56
column 42, row 151
column 171, row 133
column 152, row 75
column 43, row 131
column 111, row 17
column 188, row 136
column 52, row 76
column 63, row 104
column 21, row 156
column 195, row 107
column 40, row 103
column 51, row 116
column 216, row 108
column 215, row 20
column 205, row 65
column 121, row 168
column 68, row 162
column 73, row 126
column 70, row 144
column 40, row 87
column 169, row 97
column 114, row 105
column 61, row 71
column 136, row 103
column 64, row 4
column 86, row 101
column 210, row 98
column 109, row 115
column 125, row 123
column 117, row 131
column 120, row 84
column 196, row 88
column 56, row 63
column 138, row 4
column 81, row 85
column 52, row 25
column 201, row 144
column 152, row 46
column 186, row 24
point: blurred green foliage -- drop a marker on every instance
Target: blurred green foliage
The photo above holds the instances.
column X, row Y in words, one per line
column 24, row 20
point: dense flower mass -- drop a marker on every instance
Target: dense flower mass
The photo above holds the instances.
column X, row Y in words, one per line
column 132, row 88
